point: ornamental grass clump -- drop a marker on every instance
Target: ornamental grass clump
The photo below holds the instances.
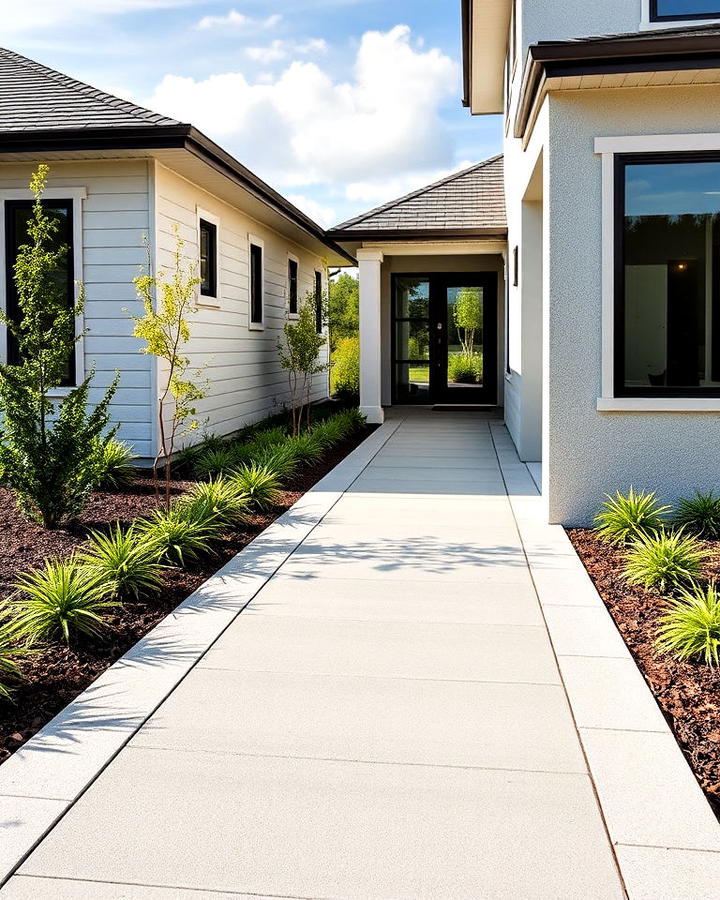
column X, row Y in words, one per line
column 307, row 448
column 700, row 515
column 691, row 627
column 664, row 561
column 625, row 516
column 282, row 460
column 217, row 500
column 330, row 432
column 115, row 465
column 214, row 462
column 182, row 537
column 259, row 484
column 124, row 561
column 11, row 655
column 62, row 600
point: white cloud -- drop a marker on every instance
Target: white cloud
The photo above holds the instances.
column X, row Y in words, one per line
column 234, row 19
column 304, row 128
column 318, row 212
column 382, row 190
column 28, row 17
column 278, row 50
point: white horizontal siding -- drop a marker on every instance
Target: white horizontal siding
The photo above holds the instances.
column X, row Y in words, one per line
column 244, row 378
column 115, row 220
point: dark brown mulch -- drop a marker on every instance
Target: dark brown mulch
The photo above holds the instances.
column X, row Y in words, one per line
column 688, row 692
column 58, row 674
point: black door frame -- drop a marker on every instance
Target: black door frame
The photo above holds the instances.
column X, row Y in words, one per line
column 439, row 282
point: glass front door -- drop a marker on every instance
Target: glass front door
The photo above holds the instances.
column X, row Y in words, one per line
column 445, row 338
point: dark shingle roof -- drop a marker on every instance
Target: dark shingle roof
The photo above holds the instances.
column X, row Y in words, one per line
column 472, row 200
column 35, row 98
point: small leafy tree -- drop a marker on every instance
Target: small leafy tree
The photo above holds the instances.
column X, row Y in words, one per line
column 299, row 351
column 49, row 455
column 467, row 313
column 168, row 299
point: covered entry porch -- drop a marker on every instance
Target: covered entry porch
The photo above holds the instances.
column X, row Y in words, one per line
column 432, row 294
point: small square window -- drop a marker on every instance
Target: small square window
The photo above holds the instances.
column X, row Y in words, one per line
column 208, row 259
column 292, row 286
column 256, row 284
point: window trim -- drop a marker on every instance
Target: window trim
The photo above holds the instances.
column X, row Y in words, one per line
column 293, row 313
column 210, row 299
column 255, row 241
column 654, row 17
column 685, row 147
column 76, row 195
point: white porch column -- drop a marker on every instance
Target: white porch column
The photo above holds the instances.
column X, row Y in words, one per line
column 370, row 266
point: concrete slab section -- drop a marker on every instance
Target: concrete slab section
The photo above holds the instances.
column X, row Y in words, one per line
column 23, row 821
column 385, row 649
column 662, row 873
column 501, row 726
column 28, row 887
column 321, row 829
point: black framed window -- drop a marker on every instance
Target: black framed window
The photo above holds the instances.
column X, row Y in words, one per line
column 18, row 214
column 674, row 10
column 318, row 303
column 667, row 291
column 256, row 284
column 292, row 286
column 208, row 259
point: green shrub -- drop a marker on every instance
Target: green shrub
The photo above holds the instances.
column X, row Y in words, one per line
column 282, row 460
column 465, row 369
column 181, row 536
column 331, row 432
column 11, row 654
column 306, row 447
column 270, row 437
column 260, row 484
column 354, row 418
column 217, row 500
column 345, row 369
column 115, row 468
column 623, row 517
column 691, row 627
column 124, row 561
column 665, row 560
column 214, row 462
column 700, row 515
column 61, row 599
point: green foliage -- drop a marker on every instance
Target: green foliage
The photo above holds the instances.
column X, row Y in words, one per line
column 281, row 459
column 124, row 561
column 215, row 462
column 465, row 369
column 167, row 301
column 354, row 418
column 691, row 627
column 63, row 599
column 115, row 464
column 218, row 500
column 700, row 516
column 331, row 432
column 259, row 484
column 665, row 560
column 46, row 453
column 298, row 353
column 11, row 655
column 345, row 369
column 306, row 447
column 269, row 437
column 625, row 516
column 182, row 536
column 343, row 309
column 468, row 317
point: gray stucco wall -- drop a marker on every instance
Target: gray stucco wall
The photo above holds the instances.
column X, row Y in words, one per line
column 590, row 453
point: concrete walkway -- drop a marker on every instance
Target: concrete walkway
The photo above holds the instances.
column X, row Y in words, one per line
column 385, row 720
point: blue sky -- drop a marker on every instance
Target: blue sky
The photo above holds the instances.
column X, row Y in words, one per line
column 340, row 104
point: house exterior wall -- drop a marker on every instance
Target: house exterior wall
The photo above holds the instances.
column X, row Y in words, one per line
column 588, row 453
column 401, row 265
column 245, row 382
column 559, row 20
column 115, row 217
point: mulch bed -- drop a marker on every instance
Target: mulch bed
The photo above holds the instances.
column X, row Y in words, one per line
column 56, row 675
column 688, row 693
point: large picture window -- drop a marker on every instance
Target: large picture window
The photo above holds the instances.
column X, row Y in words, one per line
column 667, row 315
column 672, row 10
column 17, row 215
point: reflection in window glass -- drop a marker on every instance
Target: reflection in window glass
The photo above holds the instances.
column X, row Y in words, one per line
column 412, row 298
column 671, row 318
column 412, row 382
column 673, row 9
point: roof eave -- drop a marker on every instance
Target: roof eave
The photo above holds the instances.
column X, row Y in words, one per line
column 493, row 233
column 162, row 137
column 485, row 28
